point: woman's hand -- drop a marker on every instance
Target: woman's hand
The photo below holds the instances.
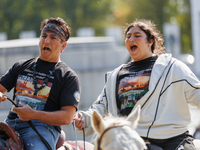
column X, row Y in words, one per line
column 78, row 121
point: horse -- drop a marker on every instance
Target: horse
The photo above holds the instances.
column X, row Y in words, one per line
column 112, row 133
column 117, row 133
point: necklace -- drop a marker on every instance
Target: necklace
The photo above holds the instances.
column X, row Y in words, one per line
column 46, row 80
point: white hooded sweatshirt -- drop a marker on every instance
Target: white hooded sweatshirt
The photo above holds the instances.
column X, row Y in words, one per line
column 164, row 108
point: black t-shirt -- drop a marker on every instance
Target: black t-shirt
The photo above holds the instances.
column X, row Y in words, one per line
column 133, row 83
column 61, row 87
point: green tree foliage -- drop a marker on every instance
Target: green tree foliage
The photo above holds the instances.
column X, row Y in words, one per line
column 140, row 9
column 178, row 11
column 22, row 15
column 84, row 13
column 159, row 11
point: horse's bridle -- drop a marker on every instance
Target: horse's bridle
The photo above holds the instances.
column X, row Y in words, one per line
column 100, row 138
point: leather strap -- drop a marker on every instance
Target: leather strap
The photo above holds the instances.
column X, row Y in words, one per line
column 42, row 138
column 32, row 126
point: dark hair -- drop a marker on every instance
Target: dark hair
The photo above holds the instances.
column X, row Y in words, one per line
column 152, row 32
column 60, row 22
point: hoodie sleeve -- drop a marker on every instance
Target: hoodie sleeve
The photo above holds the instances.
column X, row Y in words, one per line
column 99, row 105
column 191, row 84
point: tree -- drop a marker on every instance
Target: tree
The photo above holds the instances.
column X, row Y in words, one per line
column 159, row 11
column 142, row 9
column 20, row 15
column 178, row 11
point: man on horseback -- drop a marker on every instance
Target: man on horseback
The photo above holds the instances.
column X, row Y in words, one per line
column 46, row 90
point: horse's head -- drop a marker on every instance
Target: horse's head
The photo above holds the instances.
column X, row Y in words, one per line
column 117, row 133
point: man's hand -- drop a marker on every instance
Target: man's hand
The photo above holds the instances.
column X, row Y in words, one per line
column 78, row 121
column 24, row 112
column 2, row 98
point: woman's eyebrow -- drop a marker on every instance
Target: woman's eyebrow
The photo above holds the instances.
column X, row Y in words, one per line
column 137, row 33
column 134, row 33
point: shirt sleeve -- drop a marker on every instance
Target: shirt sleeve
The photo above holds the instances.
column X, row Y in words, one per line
column 8, row 80
column 70, row 94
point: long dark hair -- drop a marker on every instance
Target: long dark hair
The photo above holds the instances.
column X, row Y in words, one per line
column 152, row 32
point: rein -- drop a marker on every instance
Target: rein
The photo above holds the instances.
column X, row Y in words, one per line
column 32, row 126
column 111, row 127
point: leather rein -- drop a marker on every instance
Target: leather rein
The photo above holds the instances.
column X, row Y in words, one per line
column 111, row 127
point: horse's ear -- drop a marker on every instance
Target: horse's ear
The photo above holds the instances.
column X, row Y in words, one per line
column 134, row 116
column 97, row 121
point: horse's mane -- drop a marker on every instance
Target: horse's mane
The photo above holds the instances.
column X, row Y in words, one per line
column 111, row 120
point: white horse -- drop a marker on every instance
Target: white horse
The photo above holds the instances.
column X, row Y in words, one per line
column 117, row 133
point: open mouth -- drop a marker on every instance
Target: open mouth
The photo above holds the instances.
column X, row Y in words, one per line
column 46, row 49
column 133, row 47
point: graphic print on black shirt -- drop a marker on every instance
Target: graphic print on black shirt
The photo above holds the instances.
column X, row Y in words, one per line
column 133, row 87
column 25, row 89
column 132, row 83
column 25, row 92
column 62, row 87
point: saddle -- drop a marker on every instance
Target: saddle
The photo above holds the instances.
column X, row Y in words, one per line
column 10, row 139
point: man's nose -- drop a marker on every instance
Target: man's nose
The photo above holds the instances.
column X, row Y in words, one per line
column 47, row 39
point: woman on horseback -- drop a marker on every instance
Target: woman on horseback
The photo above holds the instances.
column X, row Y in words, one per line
column 162, row 85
